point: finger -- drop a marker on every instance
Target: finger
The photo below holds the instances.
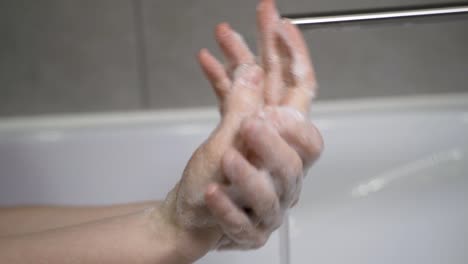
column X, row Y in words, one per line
column 250, row 77
column 215, row 73
column 267, row 23
column 231, row 245
column 297, row 195
column 234, row 222
column 255, row 186
column 223, row 241
column 297, row 131
column 302, row 72
column 233, row 46
column 247, row 95
column 275, row 155
column 258, row 242
column 247, row 75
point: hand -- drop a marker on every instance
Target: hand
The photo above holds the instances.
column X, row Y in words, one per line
column 240, row 95
column 290, row 83
column 279, row 141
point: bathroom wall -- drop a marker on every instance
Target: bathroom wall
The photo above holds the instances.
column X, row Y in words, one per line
column 67, row 56
column 64, row 56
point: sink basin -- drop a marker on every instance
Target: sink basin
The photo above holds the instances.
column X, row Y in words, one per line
column 391, row 186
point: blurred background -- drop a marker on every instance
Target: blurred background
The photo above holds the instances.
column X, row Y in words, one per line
column 64, row 56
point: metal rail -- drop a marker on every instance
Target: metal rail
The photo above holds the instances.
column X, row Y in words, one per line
column 379, row 15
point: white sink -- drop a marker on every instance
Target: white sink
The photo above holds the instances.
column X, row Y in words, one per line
column 391, row 186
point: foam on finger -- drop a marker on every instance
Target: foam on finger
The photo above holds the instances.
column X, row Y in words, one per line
column 275, row 156
column 297, row 131
column 304, row 88
column 267, row 21
column 233, row 45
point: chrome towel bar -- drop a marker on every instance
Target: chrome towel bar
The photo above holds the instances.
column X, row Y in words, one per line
column 365, row 16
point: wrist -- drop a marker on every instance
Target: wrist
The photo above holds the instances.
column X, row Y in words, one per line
column 184, row 244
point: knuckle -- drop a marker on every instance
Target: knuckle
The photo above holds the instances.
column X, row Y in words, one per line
column 314, row 144
column 268, row 208
column 238, row 231
column 290, row 166
column 234, row 167
column 257, row 70
column 293, row 167
column 248, row 128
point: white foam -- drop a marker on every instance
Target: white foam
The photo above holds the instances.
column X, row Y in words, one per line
column 299, row 65
column 292, row 112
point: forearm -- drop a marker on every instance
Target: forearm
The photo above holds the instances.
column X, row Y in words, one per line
column 28, row 219
column 140, row 237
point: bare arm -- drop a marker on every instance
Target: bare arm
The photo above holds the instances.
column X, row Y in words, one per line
column 28, row 219
column 146, row 236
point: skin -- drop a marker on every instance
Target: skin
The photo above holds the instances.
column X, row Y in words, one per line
column 29, row 219
column 279, row 143
column 140, row 237
column 235, row 189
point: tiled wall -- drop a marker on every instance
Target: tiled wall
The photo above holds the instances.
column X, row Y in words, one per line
column 62, row 56
column 67, row 56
